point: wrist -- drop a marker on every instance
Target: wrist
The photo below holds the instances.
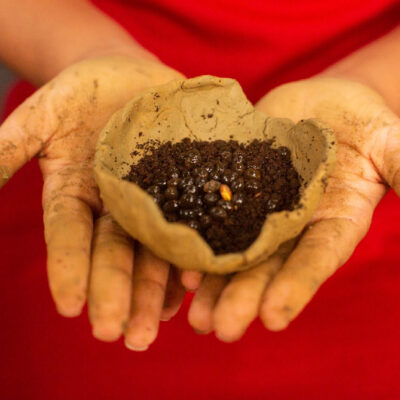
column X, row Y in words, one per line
column 375, row 66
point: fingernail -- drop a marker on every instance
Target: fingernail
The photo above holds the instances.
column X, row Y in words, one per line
column 133, row 348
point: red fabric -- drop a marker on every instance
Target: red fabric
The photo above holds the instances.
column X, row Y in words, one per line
column 343, row 346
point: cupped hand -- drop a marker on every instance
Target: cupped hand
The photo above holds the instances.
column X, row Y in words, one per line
column 60, row 125
column 368, row 163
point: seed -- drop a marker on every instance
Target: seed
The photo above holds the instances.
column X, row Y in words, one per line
column 201, row 172
column 193, row 224
column 171, row 193
column 186, row 182
column 226, row 155
column 238, row 198
column 225, row 192
column 218, row 213
column 190, row 189
column 158, row 198
column 253, row 185
column 154, row 189
column 173, row 172
column 192, row 159
column 171, row 206
column 205, row 220
column 252, row 173
column 226, row 205
column 200, row 181
column 188, row 200
column 211, row 186
column 161, row 181
column 237, row 185
column 238, row 167
column 187, row 214
column 226, row 176
column 174, row 182
column 211, row 198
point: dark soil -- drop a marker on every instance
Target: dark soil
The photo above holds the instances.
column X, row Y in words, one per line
column 222, row 189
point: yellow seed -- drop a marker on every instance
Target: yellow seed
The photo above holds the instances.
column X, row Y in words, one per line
column 225, row 192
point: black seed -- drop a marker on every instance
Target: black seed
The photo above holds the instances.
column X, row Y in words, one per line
column 237, row 185
column 211, row 186
column 238, row 167
column 201, row 172
column 252, row 173
column 226, row 155
column 171, row 206
column 226, row 205
column 171, row 193
column 253, row 185
column 192, row 159
column 186, row 182
column 226, row 176
column 271, row 204
column 218, row 213
column 174, row 182
column 205, row 220
column 283, row 151
column 154, row 189
column 161, row 181
column 173, row 172
column 187, row 214
column 190, row 189
column 193, row 224
column 211, row 198
column 199, row 211
column 200, row 182
column 188, row 200
column 158, row 198
column 238, row 198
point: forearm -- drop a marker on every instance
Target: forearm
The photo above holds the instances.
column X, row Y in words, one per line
column 376, row 65
column 39, row 38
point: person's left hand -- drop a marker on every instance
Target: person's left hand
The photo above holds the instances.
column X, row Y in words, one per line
column 368, row 135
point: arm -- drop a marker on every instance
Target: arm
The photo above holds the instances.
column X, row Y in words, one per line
column 377, row 66
column 39, row 38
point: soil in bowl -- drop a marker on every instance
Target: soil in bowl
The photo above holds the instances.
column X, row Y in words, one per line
column 223, row 189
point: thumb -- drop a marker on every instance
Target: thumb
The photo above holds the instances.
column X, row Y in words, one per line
column 388, row 158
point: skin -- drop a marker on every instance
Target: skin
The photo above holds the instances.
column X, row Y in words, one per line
column 92, row 67
column 358, row 97
column 368, row 135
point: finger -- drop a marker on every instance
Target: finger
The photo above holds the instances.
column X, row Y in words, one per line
column 174, row 295
column 204, row 301
column 191, row 280
column 69, row 195
column 240, row 301
column 110, row 280
column 148, row 291
column 26, row 130
column 325, row 246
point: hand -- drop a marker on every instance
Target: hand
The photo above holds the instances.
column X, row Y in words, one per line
column 60, row 124
column 368, row 135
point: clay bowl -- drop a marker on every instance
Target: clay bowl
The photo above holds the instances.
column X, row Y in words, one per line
column 176, row 110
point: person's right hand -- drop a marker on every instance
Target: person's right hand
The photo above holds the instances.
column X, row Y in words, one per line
column 368, row 163
column 60, row 125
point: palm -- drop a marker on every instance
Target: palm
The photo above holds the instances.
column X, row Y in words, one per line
column 60, row 123
column 368, row 136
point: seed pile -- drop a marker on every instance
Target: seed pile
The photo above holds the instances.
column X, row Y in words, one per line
column 222, row 189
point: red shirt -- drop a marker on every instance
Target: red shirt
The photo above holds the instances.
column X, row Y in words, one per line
column 343, row 346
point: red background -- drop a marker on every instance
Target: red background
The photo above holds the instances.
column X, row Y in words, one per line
column 343, row 346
